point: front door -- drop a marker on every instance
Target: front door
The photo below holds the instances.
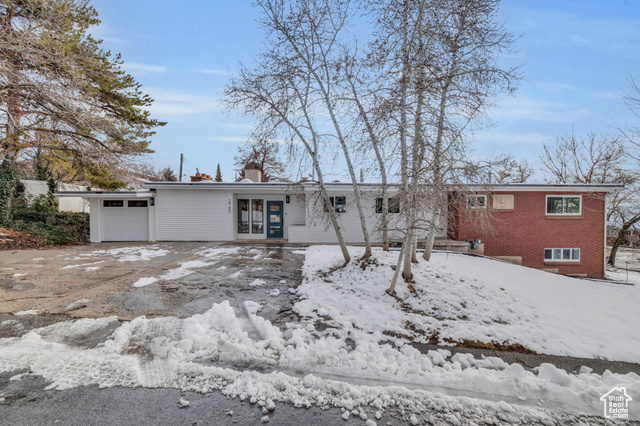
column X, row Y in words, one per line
column 275, row 219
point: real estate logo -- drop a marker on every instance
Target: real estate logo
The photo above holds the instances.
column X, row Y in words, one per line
column 616, row 403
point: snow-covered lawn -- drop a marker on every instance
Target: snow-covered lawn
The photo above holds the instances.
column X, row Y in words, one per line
column 464, row 297
column 243, row 355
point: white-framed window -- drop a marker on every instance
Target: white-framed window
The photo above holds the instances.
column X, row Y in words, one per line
column 477, row 201
column 562, row 254
column 564, row 205
column 339, row 204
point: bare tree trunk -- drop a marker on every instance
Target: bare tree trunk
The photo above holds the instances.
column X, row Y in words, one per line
column 375, row 143
column 625, row 227
column 431, row 237
column 414, row 248
column 392, row 288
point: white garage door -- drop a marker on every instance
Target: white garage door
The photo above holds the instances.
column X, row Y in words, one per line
column 125, row 220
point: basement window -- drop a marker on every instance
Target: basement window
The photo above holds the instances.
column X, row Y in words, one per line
column 562, row 254
column 113, row 203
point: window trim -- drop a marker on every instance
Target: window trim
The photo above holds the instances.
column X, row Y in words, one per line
column 393, row 205
column 143, row 204
column 553, row 250
column 104, row 203
column 332, row 200
column 477, row 196
column 546, row 204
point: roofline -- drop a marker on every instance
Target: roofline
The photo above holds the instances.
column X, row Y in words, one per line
column 335, row 186
column 546, row 187
column 106, row 194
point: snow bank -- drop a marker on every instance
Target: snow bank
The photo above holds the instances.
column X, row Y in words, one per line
column 464, row 297
column 169, row 352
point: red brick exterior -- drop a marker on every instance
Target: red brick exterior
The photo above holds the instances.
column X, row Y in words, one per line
column 527, row 230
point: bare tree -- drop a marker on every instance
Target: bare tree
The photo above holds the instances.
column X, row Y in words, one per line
column 305, row 52
column 441, row 58
column 265, row 154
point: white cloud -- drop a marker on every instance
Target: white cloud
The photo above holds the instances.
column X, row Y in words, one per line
column 136, row 68
column 214, row 71
column 172, row 104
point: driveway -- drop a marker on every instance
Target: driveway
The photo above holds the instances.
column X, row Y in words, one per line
column 171, row 279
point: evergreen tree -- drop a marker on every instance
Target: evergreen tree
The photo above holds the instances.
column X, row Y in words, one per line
column 218, row 174
column 59, row 91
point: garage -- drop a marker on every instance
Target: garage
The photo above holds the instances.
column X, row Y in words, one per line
column 125, row 220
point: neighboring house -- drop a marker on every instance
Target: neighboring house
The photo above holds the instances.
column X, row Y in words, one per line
column 203, row 210
column 557, row 228
column 34, row 188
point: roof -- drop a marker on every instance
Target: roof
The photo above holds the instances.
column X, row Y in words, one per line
column 106, row 194
column 284, row 187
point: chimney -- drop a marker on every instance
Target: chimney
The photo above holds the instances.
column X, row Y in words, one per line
column 252, row 172
column 201, row 177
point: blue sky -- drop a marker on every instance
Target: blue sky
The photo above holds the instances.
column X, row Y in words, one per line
column 578, row 56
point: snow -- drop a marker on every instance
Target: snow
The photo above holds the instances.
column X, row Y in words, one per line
column 257, row 282
column 395, row 376
column 78, row 304
column 183, row 403
column 127, row 254
column 27, row 312
column 243, row 355
column 143, row 282
column 81, row 265
column 466, row 297
column 92, row 268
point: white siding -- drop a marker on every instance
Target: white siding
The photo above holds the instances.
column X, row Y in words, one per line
column 318, row 229
column 194, row 215
column 95, row 221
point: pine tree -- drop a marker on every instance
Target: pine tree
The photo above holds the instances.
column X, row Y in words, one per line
column 60, row 92
column 218, row 174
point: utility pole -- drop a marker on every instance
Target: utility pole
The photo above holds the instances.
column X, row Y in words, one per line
column 181, row 161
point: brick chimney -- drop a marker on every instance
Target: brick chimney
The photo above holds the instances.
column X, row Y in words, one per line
column 201, row 177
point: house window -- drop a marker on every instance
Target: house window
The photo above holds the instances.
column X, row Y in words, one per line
column 562, row 254
column 476, row 201
column 339, row 204
column 243, row 216
column 113, row 203
column 393, row 205
column 564, row 205
column 257, row 216
column 137, row 203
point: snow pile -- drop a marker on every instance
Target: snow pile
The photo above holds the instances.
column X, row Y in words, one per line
column 463, row 297
column 169, row 352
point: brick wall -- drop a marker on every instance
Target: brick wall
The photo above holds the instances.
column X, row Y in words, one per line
column 526, row 230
